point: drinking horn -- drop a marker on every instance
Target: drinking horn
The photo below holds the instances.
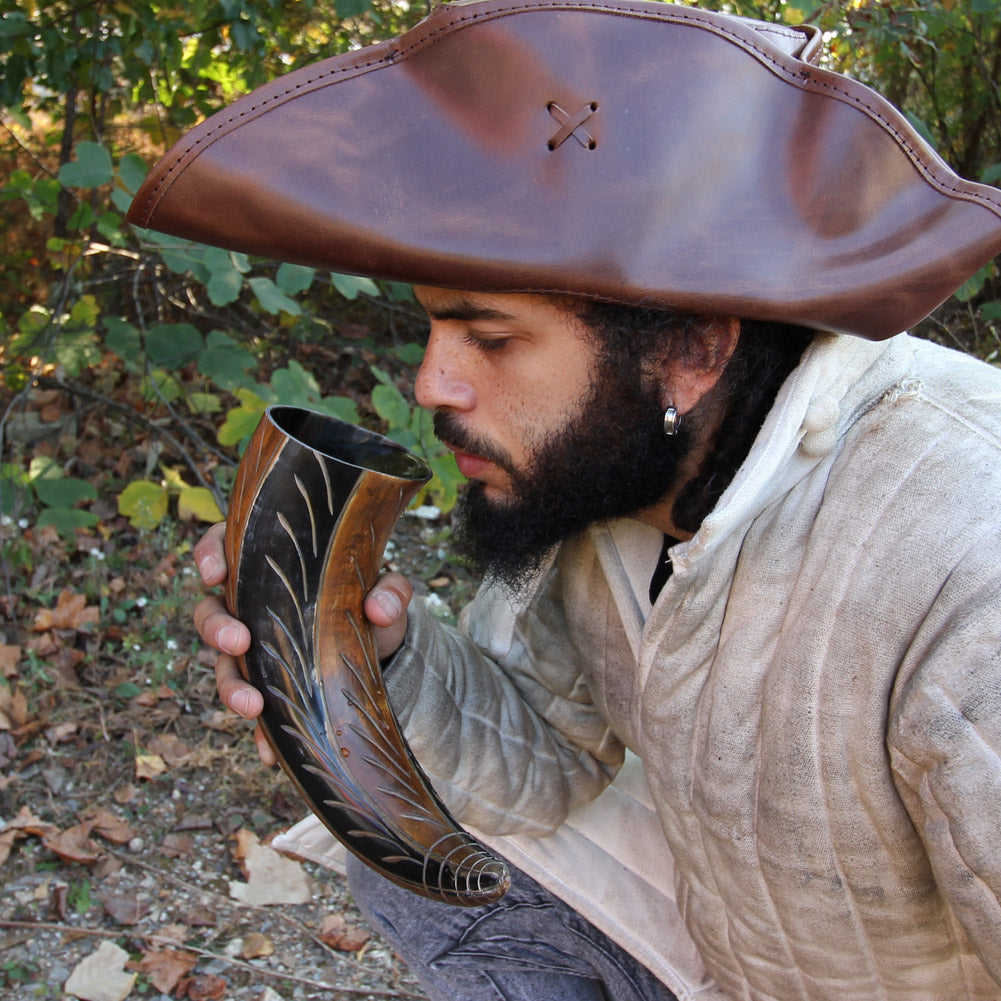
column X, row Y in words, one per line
column 313, row 505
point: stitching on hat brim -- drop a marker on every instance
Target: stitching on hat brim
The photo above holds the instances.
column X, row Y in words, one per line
column 803, row 76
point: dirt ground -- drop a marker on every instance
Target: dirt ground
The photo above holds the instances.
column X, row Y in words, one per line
column 131, row 804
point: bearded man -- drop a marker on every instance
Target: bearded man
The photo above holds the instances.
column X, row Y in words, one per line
column 730, row 695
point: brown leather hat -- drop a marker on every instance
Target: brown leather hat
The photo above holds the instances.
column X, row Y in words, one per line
column 617, row 149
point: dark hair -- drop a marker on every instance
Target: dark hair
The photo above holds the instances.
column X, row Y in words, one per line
column 765, row 354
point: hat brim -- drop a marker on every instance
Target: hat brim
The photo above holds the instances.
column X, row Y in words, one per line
column 636, row 152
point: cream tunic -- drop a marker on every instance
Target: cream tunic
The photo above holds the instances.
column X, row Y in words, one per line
column 815, row 699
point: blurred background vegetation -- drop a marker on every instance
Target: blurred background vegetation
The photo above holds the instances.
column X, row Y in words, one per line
column 135, row 366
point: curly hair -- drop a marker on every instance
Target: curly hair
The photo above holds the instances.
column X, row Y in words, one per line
column 765, row 354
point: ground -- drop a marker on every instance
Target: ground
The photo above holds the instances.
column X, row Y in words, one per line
column 131, row 802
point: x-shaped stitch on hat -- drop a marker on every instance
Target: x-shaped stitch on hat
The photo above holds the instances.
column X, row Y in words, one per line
column 571, row 125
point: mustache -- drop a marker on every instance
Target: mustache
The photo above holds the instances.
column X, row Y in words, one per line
column 449, row 430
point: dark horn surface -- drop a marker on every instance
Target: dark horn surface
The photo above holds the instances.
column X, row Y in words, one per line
column 313, row 505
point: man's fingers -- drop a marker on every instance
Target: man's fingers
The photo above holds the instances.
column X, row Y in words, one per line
column 219, row 629
column 236, row 694
column 209, row 555
column 386, row 608
column 264, row 751
column 244, row 700
column 388, row 600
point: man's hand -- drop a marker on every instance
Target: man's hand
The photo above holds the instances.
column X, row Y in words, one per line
column 385, row 606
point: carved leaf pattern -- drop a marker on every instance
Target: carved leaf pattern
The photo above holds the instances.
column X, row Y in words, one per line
column 312, row 540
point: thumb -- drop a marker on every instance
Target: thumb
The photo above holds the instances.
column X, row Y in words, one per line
column 386, row 608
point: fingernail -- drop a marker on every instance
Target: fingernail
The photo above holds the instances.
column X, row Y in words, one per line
column 210, row 567
column 389, row 603
column 228, row 637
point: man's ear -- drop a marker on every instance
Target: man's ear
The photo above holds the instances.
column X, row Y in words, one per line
column 689, row 375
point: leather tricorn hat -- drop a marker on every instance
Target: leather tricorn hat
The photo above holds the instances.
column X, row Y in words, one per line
column 631, row 151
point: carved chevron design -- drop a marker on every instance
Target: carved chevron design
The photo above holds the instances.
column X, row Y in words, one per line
column 305, row 550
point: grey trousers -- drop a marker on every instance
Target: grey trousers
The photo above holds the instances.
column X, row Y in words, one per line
column 529, row 946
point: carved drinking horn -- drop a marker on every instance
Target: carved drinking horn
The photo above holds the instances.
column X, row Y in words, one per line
column 314, row 502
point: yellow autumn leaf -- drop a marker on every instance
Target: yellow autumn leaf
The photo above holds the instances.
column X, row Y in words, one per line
column 198, row 504
column 149, row 766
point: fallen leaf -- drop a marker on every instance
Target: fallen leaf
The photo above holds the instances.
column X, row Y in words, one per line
column 194, row 822
column 110, row 827
column 24, row 824
column 58, row 899
column 19, row 712
column 172, row 749
column 256, row 945
column 107, row 866
column 338, row 933
column 200, row 916
column 165, row 967
column 149, row 766
column 177, row 844
column 101, row 976
column 271, row 879
column 26, row 821
column 220, row 719
column 125, row 794
column 73, row 845
column 9, row 656
column 175, row 932
column 47, row 535
column 125, row 908
column 13, row 706
column 60, row 732
column 64, row 666
column 205, row 988
column 8, row 755
column 44, row 646
column 71, row 612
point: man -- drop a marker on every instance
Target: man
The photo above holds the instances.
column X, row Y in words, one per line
column 729, row 523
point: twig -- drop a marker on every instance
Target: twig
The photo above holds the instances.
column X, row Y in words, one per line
column 206, row 954
column 48, row 382
column 300, row 928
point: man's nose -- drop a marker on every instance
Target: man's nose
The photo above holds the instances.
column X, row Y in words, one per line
column 442, row 382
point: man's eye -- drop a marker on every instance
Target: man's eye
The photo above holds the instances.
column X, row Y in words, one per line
column 484, row 343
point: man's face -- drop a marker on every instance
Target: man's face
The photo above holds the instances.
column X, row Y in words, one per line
column 509, row 368
column 551, row 438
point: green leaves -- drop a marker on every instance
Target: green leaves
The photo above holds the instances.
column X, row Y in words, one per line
column 225, row 362
column 294, row 278
column 412, row 427
column 388, row 401
column 225, row 281
column 271, row 297
column 59, row 496
column 173, row 345
column 90, row 169
column 351, row 286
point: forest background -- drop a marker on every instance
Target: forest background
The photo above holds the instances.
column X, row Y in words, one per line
column 135, row 367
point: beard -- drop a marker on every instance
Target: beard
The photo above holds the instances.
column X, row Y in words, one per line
column 611, row 459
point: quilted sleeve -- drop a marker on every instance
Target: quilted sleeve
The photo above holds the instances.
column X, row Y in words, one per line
column 945, row 746
column 511, row 739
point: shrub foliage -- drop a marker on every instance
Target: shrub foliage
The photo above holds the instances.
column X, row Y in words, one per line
column 185, row 344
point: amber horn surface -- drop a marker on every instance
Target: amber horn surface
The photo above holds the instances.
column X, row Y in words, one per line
column 313, row 505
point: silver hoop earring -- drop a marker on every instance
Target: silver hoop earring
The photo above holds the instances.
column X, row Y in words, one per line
column 672, row 421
